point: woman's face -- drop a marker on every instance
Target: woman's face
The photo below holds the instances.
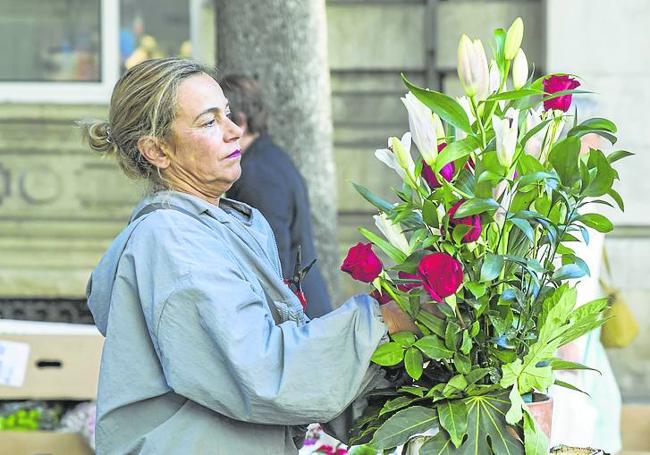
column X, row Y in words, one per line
column 204, row 152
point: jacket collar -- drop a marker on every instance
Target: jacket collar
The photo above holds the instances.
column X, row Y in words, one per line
column 224, row 213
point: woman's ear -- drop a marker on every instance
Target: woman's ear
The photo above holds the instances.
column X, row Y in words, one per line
column 155, row 151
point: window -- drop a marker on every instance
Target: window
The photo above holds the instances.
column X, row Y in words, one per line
column 73, row 51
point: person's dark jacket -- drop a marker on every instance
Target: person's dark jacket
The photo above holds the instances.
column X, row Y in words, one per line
column 271, row 183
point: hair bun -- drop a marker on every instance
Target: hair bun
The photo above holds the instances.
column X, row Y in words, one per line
column 98, row 135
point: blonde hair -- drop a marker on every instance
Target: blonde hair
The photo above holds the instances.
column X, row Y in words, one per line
column 143, row 104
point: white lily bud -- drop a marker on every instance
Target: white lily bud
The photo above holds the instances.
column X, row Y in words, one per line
column 513, row 38
column 473, row 68
column 467, row 107
column 422, row 127
column 519, row 70
column 402, row 150
column 506, row 131
column 495, row 76
column 393, row 233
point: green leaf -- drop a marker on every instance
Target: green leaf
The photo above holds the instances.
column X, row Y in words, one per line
column 568, row 272
column 617, row 198
column 460, row 230
column 453, row 418
column 401, row 426
column 476, row 375
column 455, row 151
column 491, row 268
column 476, row 206
column 413, row 363
column 451, row 335
column 388, row 354
column 431, row 322
column 362, row 450
column 559, row 364
column 430, row 214
column 523, row 226
column 603, row 179
column 375, row 200
column 486, row 430
column 514, row 414
column 535, row 441
column 433, row 347
column 514, row 94
column 596, row 221
column 564, row 158
column 466, row 345
column 536, row 129
column 446, row 107
column 477, row 289
column 394, row 253
column 405, row 339
column 397, row 403
column 566, row 385
column 456, row 384
column 617, row 155
column 462, row 362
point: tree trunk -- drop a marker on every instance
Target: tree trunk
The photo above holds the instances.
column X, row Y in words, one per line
column 284, row 44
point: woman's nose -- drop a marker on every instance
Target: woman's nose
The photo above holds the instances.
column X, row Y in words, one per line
column 233, row 131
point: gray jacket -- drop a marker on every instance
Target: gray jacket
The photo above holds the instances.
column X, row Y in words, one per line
column 193, row 362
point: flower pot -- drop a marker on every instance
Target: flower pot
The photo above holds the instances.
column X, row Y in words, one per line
column 542, row 411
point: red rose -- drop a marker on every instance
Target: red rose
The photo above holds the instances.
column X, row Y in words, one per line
column 408, row 286
column 473, row 220
column 441, row 275
column 556, row 84
column 381, row 297
column 362, row 263
column 447, row 172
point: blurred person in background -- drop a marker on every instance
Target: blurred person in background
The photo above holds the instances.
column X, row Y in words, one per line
column 271, row 183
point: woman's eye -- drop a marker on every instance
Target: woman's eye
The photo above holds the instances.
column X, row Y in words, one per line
column 210, row 123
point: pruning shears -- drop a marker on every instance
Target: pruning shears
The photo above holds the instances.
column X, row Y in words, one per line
column 299, row 273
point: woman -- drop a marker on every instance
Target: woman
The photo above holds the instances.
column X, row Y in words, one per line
column 207, row 350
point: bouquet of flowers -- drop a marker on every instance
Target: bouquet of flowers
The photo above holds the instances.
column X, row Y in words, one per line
column 477, row 251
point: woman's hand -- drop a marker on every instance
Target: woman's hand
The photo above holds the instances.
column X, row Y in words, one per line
column 396, row 320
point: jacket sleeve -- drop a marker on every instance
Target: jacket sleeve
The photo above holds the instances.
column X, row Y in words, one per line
column 218, row 346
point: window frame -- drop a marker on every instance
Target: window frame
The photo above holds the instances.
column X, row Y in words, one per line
column 82, row 92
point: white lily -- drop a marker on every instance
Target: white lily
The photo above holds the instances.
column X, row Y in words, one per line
column 467, row 107
column 402, row 150
column 505, row 130
column 533, row 146
column 393, row 233
column 473, row 68
column 422, row 127
column 387, row 157
column 513, row 38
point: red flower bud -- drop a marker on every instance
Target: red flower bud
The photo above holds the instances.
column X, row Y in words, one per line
column 473, row 220
column 556, row 84
column 447, row 172
column 362, row 263
column 441, row 275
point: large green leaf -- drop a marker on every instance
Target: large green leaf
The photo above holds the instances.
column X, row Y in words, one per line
column 559, row 364
column 597, row 221
column 564, row 158
column 602, row 180
column 486, row 431
column 434, row 348
column 491, row 268
column 453, row 418
column 413, row 363
column 535, row 441
column 388, row 354
column 362, row 450
column 617, row 155
column 397, row 403
column 404, row 424
column 454, row 151
column 514, row 94
column 445, row 106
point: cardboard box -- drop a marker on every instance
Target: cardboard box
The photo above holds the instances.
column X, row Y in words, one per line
column 49, row 361
column 42, row 443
